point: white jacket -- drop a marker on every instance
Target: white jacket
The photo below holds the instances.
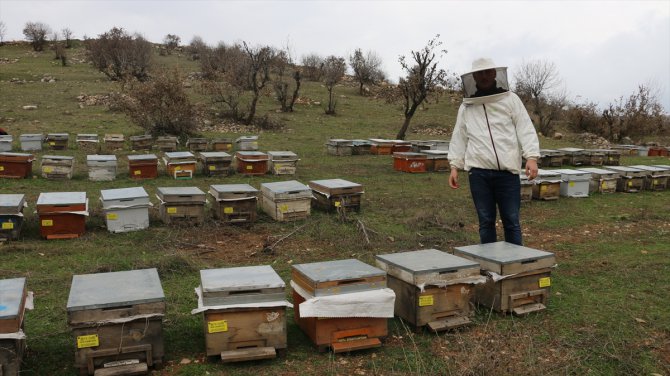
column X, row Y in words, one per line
column 493, row 133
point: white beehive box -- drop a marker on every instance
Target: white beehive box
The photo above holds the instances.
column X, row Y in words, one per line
column 575, row 183
column 6, row 142
column 125, row 209
column 247, row 143
column 602, row 180
column 101, row 167
column 31, row 141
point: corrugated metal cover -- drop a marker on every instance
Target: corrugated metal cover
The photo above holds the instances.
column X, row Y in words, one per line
column 104, row 290
column 233, row 188
column 142, row 157
column 242, row 278
column 61, row 198
column 11, row 297
column 335, row 183
column 503, row 252
column 11, row 203
column 123, row 193
column 338, row 270
column 427, row 261
column 179, row 155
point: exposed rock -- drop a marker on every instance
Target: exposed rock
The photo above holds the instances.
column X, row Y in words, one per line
column 558, row 136
column 30, row 107
column 593, row 141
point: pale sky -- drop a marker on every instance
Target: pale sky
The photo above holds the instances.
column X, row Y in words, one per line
column 602, row 49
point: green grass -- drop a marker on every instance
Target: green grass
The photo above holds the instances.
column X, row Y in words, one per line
column 612, row 250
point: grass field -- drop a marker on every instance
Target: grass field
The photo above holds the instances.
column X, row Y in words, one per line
column 608, row 313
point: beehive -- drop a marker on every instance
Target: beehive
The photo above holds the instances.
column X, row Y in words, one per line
column 526, row 188
column 125, row 209
column 182, row 205
column 31, row 141
column 57, row 141
column 339, row 147
column 596, row 157
column 13, row 303
column 334, row 194
column 631, row 180
column 197, row 144
column 6, row 142
column 437, row 160
column 144, row 166
column 361, row 147
column 246, row 143
column 642, row 151
column 286, row 200
column 180, row 164
column 283, row 162
column 222, row 144
column 244, row 312
column 57, row 166
column 62, row 215
column 401, row 146
column 518, row 278
column 658, row 151
column 234, row 203
column 575, row 156
column 101, row 167
column 432, row 288
column 420, row 145
column 409, row 162
column 547, row 185
column 656, row 178
column 16, row 165
column 215, row 163
column 167, row 143
column 574, row 183
column 11, row 215
column 612, row 156
column 439, row 145
column 117, row 322
column 113, row 142
column 88, row 142
column 343, row 304
column 251, row 162
column 602, row 180
column 666, row 169
column 381, row 146
column 141, row 142
column 551, row 158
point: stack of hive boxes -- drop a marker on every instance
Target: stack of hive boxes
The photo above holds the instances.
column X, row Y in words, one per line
column 62, row 214
column 11, row 215
column 215, row 163
column 14, row 301
column 16, row 165
column 234, row 203
column 57, row 166
column 182, row 205
column 631, row 180
column 180, row 164
column 334, row 194
column 602, row 180
column 283, row 162
column 286, row 200
column 251, row 162
column 125, row 209
column 57, row 141
column 6, row 142
column 101, row 167
column 142, row 142
column 574, row 183
column 88, row 142
column 144, row 166
column 113, row 142
column 247, row 143
column 167, row 143
column 31, row 141
column 339, row 147
column 547, row 185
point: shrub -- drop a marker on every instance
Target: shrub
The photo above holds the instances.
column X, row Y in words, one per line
column 119, row 55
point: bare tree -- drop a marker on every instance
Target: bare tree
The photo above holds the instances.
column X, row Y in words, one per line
column 334, row 68
column 59, row 49
column 287, row 77
column 196, row 47
column 640, row 114
column 422, row 79
column 534, row 82
column 313, row 67
column 171, row 42
column 259, row 61
column 367, row 68
column 67, row 36
column 3, row 31
column 36, row 33
column 119, row 55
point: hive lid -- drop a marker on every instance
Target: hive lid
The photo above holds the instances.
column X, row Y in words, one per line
column 649, row 168
column 142, row 157
column 282, row 154
column 58, row 135
column 436, row 152
column 548, row 174
column 333, row 184
column 140, row 137
column 427, row 261
column 11, row 203
column 503, row 253
column 58, row 157
column 123, row 193
column 104, row 290
column 337, row 270
column 11, row 297
column 664, row 167
column 233, row 188
column 31, row 136
column 361, row 142
column 245, row 153
column 189, row 193
column 571, row 150
column 571, row 172
column 12, row 154
column 246, row 138
column 623, row 169
column 114, row 137
column 179, row 154
column 408, row 155
column 61, row 198
column 241, row 278
column 215, row 154
column 87, row 135
column 284, row 187
column 598, row 171
column 100, row 158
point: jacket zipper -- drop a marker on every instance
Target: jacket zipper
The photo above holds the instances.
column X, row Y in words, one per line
column 491, row 135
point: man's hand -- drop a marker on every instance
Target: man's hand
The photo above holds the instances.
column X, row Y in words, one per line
column 531, row 169
column 453, row 178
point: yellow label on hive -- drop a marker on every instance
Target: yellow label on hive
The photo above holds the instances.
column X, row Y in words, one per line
column 47, row 222
column 7, row 225
column 228, row 210
column 543, row 188
column 90, row 340
column 2, row 168
column 545, row 282
column 250, row 167
column 283, row 208
column 137, row 172
column 112, row 216
column 177, row 168
column 212, row 168
column 655, row 180
column 52, row 143
column 47, row 169
column 172, row 210
column 571, row 184
column 425, row 300
column 217, row 326
column 337, row 204
column 254, row 144
column 630, row 183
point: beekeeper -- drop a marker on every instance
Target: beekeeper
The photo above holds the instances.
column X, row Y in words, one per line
column 493, row 131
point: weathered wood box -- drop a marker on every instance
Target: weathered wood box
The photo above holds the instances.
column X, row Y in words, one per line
column 336, row 194
column 602, row 180
column 381, row 146
column 343, row 304
column 420, row 145
column 631, row 180
column 167, row 143
column 244, row 312
column 11, row 215
column 518, row 278
column 143, row 166
column 437, row 160
column 286, row 200
column 181, row 205
column 88, row 142
column 251, row 162
column 612, row 157
column 101, row 167
column 339, row 147
column 547, row 185
column 234, row 203
column 361, row 147
column 141, row 142
column 62, row 215
column 57, row 141
column 13, row 302
column 526, row 188
column 574, row 183
column 113, row 142
column 596, row 157
column 31, row 141
column 180, row 164
column 656, row 178
column 57, row 166
column 282, row 162
column 401, row 146
column 197, row 144
column 16, row 165
column 246, row 143
column 215, row 163
column 117, row 322
column 666, row 169
column 551, row 158
column 432, row 288
column 409, row 162
column 222, row 144
column 575, row 156
column 125, row 209
column 6, row 141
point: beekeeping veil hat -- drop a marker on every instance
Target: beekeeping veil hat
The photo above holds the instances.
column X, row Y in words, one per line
column 485, row 79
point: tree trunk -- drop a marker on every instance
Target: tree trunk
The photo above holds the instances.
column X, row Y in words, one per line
column 360, row 88
column 405, row 125
column 252, row 109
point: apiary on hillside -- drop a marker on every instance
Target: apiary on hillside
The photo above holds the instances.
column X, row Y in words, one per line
column 181, row 205
column 437, row 160
column 222, row 144
column 125, row 209
column 141, row 142
column 57, row 166
column 143, row 166
column 31, row 141
column 547, row 185
column 631, row 180
column 342, row 304
column 517, row 277
column 286, row 200
column 11, row 215
column 88, row 142
column 57, row 141
column 101, row 167
column 409, row 162
column 432, row 287
column 116, row 320
column 14, row 301
column 6, row 142
column 574, row 183
column 334, row 194
column 244, row 312
column 339, row 147
column 113, row 142
column 602, row 180
column 167, row 143
column 283, row 162
column 234, row 203
column 16, row 165
column 215, row 163
column 62, row 215
column 251, row 162
column 180, row 164
column 656, row 178
column 246, row 143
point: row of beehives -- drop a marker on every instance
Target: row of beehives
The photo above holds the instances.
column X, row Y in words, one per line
column 63, row 214
column 343, row 305
column 112, row 142
column 379, row 146
column 550, row 184
column 179, row 164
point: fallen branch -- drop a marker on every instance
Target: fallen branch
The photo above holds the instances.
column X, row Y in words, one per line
column 361, row 227
column 270, row 248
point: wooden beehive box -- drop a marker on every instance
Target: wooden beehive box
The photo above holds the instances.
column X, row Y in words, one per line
column 222, row 144
column 182, row 205
column 437, row 160
column 361, row 147
column 180, row 164
column 6, row 142
column 381, row 146
column 526, row 188
column 602, row 180
column 666, row 169
column 117, row 322
column 13, row 297
column 658, row 151
column 144, row 166
column 57, row 141
column 439, row 144
column 612, row 157
column 234, row 203
column 631, row 180
column 574, row 183
column 62, row 215
column 246, row 143
column 141, row 142
column 432, row 287
column 31, row 141
column 286, row 200
column 575, row 156
column 341, row 277
column 334, row 194
column 401, row 146
column 215, row 163
column 197, row 144
column 101, row 167
column 16, row 165
column 409, row 162
column 596, row 157
column 113, row 142
column 253, row 331
column 11, row 215
column 57, row 166
column 656, row 178
column 125, row 209
column 167, row 143
column 282, row 162
column 339, row 147
column 547, row 185
column 88, row 142
column 551, row 158
column 420, row 145
column 251, row 162
column 526, row 272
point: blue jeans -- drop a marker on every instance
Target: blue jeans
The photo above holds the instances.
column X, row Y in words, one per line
column 491, row 188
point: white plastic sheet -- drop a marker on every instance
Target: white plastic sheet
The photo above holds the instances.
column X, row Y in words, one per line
column 202, row 307
column 373, row 303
